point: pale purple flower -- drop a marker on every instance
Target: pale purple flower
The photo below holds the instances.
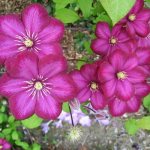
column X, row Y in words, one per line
column 4, row 145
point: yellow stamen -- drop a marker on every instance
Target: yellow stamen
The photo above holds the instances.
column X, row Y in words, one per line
column 132, row 17
column 1, row 146
column 28, row 43
column 113, row 40
column 38, row 85
column 121, row 75
column 94, row 86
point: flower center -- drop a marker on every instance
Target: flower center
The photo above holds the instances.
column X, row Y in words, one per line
column 1, row 146
column 28, row 43
column 113, row 40
column 121, row 75
column 132, row 17
column 38, row 85
column 94, row 86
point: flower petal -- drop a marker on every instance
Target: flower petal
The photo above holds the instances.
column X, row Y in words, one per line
column 100, row 46
column 35, row 18
column 47, row 49
column 11, row 25
column 138, row 6
column 97, row 100
column 106, row 72
column 124, row 90
column 51, row 65
column 84, row 95
column 133, row 105
column 102, row 30
column 144, row 15
column 63, row 88
column 136, row 75
column 117, row 107
column 23, row 66
column 22, row 105
column 53, row 32
column 109, row 88
column 80, row 81
column 10, row 87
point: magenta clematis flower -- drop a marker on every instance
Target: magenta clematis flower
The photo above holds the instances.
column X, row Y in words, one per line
column 118, row 107
column 4, row 145
column 89, row 87
column 33, row 30
column 136, row 21
column 119, row 74
column 107, row 41
column 36, row 86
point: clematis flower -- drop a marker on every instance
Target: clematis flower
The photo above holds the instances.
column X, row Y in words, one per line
column 89, row 87
column 136, row 21
column 119, row 74
column 118, row 107
column 4, row 145
column 36, row 86
column 33, row 31
column 108, row 41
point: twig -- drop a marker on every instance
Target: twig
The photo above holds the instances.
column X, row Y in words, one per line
column 71, row 115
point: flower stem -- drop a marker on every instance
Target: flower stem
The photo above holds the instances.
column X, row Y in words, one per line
column 89, row 108
column 71, row 115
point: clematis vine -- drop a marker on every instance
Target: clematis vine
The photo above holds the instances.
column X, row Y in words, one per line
column 89, row 86
column 136, row 21
column 36, row 86
column 4, row 145
column 119, row 74
column 108, row 41
column 32, row 31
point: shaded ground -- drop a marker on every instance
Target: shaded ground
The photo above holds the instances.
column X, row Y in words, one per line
column 96, row 137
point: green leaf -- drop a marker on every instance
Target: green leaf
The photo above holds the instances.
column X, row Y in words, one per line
column 144, row 123
column 146, row 102
column 24, row 145
column 65, row 107
column 36, row 146
column 117, row 9
column 131, row 126
column 62, row 3
column 85, row 7
column 87, row 46
column 15, row 135
column 66, row 15
column 32, row 122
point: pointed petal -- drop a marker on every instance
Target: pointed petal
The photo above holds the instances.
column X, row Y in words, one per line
column 63, row 88
column 51, row 65
column 138, row 6
column 53, row 32
column 35, row 18
column 106, row 72
column 11, row 25
column 133, row 105
column 117, row 107
column 100, row 46
column 102, row 30
column 124, row 90
column 144, row 15
column 23, row 66
column 97, row 100
column 109, row 88
column 47, row 107
column 22, row 105
column 84, row 95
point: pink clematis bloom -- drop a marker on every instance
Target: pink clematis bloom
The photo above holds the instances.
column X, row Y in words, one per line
column 4, row 145
column 119, row 74
column 136, row 21
column 118, row 107
column 89, row 87
column 33, row 30
column 107, row 41
column 36, row 86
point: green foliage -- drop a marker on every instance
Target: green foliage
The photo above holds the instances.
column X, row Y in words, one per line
column 66, row 15
column 131, row 126
column 32, row 122
column 146, row 102
column 85, row 7
column 144, row 123
column 117, row 9
column 65, row 107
